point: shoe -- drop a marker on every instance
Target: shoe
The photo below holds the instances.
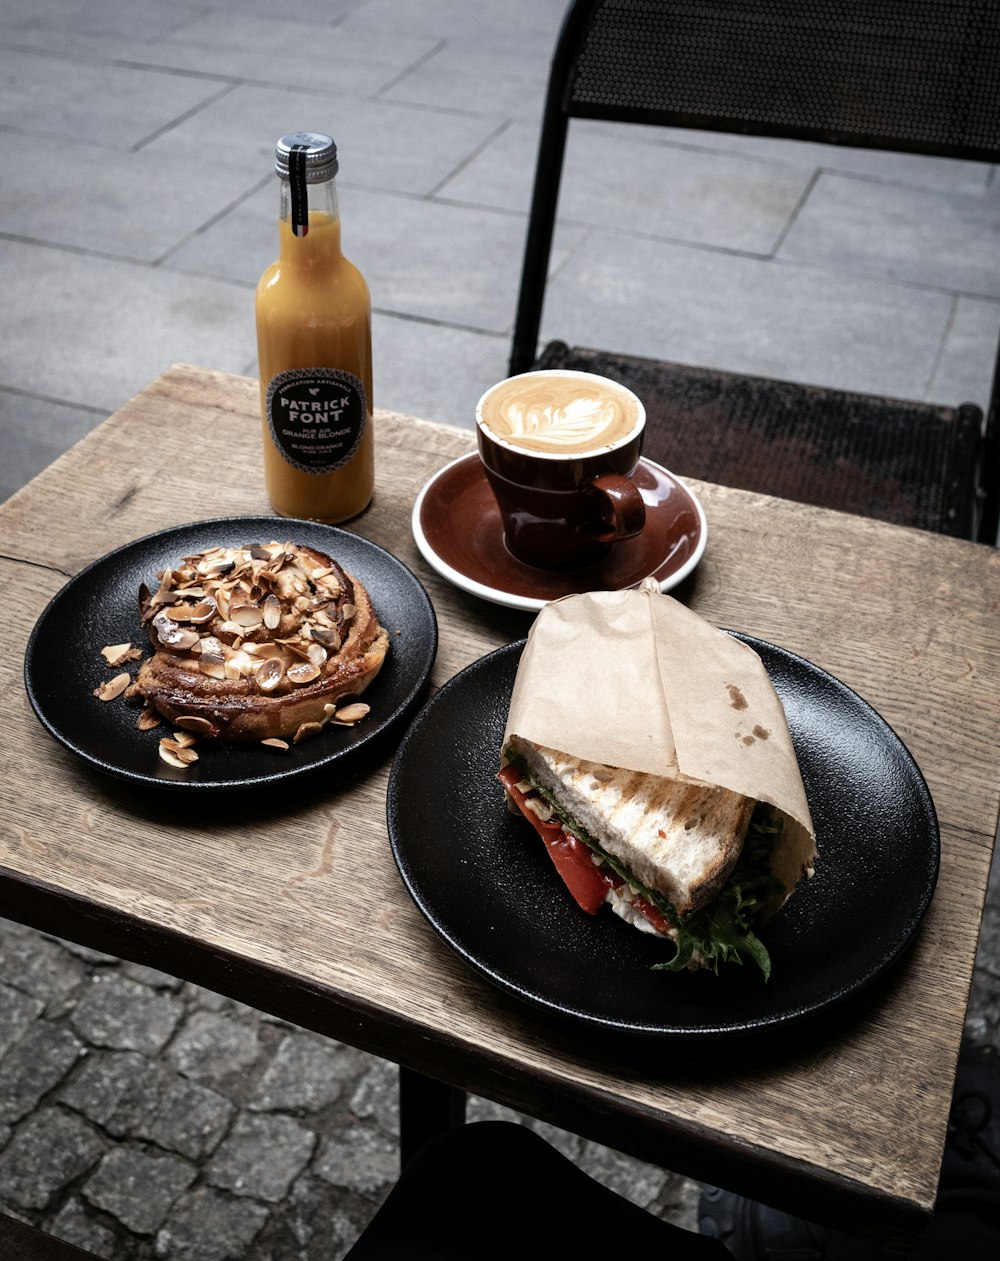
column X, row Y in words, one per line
column 754, row 1232
column 966, row 1220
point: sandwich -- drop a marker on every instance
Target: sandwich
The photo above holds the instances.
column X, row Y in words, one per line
column 685, row 862
column 668, row 788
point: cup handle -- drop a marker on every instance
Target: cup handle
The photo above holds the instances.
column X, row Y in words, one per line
column 624, row 512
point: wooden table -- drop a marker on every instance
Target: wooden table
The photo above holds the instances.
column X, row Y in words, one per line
column 847, row 1117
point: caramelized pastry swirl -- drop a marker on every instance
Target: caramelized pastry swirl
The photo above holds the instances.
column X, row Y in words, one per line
column 256, row 642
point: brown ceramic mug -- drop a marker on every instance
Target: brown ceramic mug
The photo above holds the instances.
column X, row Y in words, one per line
column 559, row 448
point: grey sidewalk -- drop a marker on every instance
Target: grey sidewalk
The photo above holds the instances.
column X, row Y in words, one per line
column 144, row 1117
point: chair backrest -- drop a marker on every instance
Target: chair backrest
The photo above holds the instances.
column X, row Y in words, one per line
column 918, row 76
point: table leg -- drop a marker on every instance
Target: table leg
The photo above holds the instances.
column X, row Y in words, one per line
column 426, row 1108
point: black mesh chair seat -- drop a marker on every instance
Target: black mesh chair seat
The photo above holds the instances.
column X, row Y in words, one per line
column 916, row 76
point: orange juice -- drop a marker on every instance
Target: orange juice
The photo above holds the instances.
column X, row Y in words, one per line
column 315, row 359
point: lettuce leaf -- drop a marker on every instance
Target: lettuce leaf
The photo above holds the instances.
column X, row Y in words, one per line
column 722, row 932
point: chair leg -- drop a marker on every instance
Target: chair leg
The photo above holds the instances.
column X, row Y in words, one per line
column 426, row 1108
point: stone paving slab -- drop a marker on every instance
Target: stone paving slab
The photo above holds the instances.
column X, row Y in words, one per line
column 103, row 217
column 964, row 368
column 339, row 57
column 434, row 189
column 375, row 139
column 36, row 432
column 456, row 272
column 629, row 180
column 945, row 175
column 110, row 105
column 149, row 318
column 804, row 323
column 910, row 234
column 448, row 369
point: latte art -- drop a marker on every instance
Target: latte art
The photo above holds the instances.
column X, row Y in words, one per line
column 559, row 413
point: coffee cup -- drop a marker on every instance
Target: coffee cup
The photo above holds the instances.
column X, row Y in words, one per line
column 559, row 449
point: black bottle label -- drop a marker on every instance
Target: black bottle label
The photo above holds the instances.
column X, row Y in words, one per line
column 317, row 417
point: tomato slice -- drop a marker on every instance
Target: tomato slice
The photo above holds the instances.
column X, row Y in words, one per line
column 654, row 916
column 585, row 881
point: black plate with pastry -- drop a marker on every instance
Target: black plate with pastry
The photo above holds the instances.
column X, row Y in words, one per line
column 486, row 885
column 100, row 607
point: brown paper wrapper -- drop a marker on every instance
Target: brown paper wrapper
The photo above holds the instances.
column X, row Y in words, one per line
column 636, row 680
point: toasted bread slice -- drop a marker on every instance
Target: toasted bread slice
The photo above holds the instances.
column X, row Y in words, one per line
column 680, row 840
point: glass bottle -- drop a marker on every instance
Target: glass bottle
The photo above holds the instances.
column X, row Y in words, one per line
column 314, row 348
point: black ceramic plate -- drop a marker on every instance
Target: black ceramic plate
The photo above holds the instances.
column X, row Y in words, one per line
column 63, row 662
column 487, row 886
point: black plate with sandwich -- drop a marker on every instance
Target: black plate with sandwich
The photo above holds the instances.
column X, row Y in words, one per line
column 487, row 886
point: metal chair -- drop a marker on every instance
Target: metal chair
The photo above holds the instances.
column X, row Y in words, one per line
column 921, row 76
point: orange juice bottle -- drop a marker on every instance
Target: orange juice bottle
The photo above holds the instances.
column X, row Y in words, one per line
column 314, row 348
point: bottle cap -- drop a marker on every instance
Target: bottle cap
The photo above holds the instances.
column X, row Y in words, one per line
column 318, row 160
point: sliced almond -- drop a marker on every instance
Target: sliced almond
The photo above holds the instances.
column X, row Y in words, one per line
column 328, row 636
column 176, row 754
column 194, row 723
column 212, row 664
column 268, row 674
column 113, row 688
column 246, row 615
column 263, row 650
column 274, row 743
column 203, row 611
column 170, row 635
column 118, row 654
column 239, row 665
column 216, row 568
column 316, row 654
column 148, row 719
column 302, row 672
column 297, row 647
column 164, row 593
column 352, row 713
column 272, row 611
column 306, row 730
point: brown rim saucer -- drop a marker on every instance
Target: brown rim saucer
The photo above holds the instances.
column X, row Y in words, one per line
column 457, row 527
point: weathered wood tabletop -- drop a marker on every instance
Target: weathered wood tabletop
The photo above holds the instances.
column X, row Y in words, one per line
column 295, row 906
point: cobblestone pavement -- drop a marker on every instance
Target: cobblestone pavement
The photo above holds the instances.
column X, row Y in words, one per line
column 144, row 1117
